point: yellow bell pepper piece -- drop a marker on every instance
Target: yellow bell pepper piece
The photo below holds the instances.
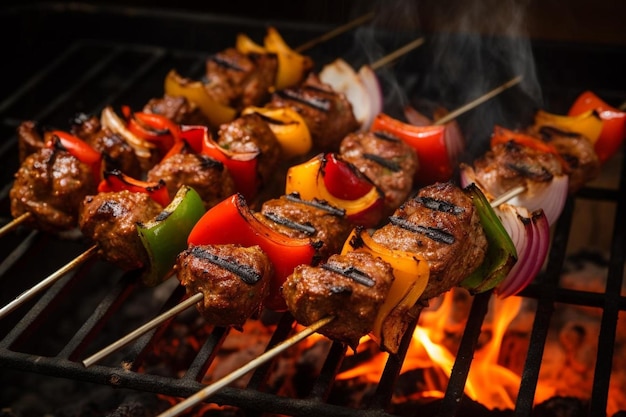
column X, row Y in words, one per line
column 588, row 124
column 194, row 91
column 292, row 66
column 411, row 274
column 246, row 45
column 307, row 180
column 289, row 128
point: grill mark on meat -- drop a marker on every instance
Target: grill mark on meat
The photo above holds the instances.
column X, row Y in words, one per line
column 225, row 63
column 323, row 205
column 531, row 171
column 247, row 274
column 433, row 233
column 305, row 228
column 318, row 103
column 439, row 205
column 352, row 273
column 208, row 162
column 386, row 136
column 391, row 165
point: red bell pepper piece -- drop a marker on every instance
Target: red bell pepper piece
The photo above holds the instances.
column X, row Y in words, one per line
column 153, row 127
column 429, row 143
column 78, row 148
column 342, row 180
column 613, row 123
column 232, row 222
column 115, row 181
column 502, row 135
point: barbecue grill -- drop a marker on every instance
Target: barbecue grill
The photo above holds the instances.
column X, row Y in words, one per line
column 65, row 59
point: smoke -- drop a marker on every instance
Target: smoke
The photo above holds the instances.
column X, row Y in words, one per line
column 471, row 47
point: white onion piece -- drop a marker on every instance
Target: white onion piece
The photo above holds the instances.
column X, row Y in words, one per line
column 547, row 196
column 374, row 91
column 532, row 243
column 361, row 89
column 110, row 120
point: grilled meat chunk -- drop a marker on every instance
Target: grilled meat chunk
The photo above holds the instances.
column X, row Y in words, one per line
column 210, row 178
column 577, row 151
column 110, row 219
column 327, row 114
column 388, row 162
column 509, row 165
column 233, row 279
column 351, row 287
column 316, row 220
column 50, row 185
column 118, row 154
column 178, row 109
column 250, row 133
column 441, row 224
column 240, row 80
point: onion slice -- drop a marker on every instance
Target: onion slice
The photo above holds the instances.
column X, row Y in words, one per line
column 110, row 120
column 530, row 233
column 362, row 89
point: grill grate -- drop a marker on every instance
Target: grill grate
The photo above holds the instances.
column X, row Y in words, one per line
column 87, row 74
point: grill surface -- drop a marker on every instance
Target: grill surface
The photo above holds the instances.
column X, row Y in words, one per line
column 79, row 59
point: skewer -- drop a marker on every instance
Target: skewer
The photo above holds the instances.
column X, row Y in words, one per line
column 478, row 101
column 253, row 364
column 14, row 223
column 397, row 53
column 28, row 294
column 336, row 32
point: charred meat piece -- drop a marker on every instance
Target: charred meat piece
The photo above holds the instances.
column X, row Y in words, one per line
column 29, row 139
column 442, row 225
column 210, row 178
column 351, row 287
column 577, row 151
column 110, row 219
column 510, row 165
column 316, row 220
column 177, row 109
column 118, row 154
column 50, row 185
column 250, row 133
column 240, row 80
column 388, row 162
column 233, row 279
column 327, row 114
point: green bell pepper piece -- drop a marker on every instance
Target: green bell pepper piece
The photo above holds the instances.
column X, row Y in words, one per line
column 165, row 236
column 501, row 253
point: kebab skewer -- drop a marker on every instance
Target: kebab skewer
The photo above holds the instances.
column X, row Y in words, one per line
column 374, row 154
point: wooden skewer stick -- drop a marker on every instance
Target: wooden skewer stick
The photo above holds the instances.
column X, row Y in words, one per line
column 14, row 223
column 28, row 294
column 238, row 373
column 180, row 307
column 480, row 100
column 397, row 53
column 336, row 32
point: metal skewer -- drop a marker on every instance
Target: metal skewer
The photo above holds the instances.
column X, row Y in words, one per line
column 253, row 364
column 28, row 294
column 14, row 223
column 336, row 32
